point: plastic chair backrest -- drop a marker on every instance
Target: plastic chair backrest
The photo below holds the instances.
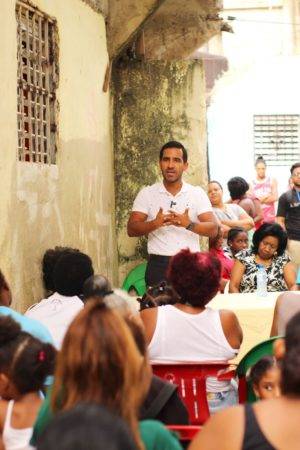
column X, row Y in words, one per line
column 136, row 280
column 264, row 348
column 191, row 381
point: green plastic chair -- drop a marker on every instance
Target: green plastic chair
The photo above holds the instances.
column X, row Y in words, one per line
column 136, row 280
column 246, row 393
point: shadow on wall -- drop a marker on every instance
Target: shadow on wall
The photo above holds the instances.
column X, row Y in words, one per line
column 70, row 203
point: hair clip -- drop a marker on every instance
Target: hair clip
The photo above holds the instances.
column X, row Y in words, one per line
column 41, row 356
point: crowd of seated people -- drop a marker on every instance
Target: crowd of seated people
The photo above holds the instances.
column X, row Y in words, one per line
column 251, row 208
column 77, row 365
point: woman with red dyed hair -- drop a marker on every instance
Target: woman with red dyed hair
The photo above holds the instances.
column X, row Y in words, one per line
column 190, row 330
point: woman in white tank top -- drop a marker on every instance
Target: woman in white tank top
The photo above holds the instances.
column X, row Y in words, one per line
column 189, row 330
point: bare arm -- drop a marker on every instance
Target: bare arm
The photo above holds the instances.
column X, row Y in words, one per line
column 231, row 328
column 289, row 273
column 273, row 197
column 281, row 221
column 274, row 327
column 149, row 318
column 258, row 211
column 237, row 273
column 208, row 225
column 244, row 221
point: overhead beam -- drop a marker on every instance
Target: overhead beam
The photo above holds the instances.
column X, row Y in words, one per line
column 126, row 18
column 174, row 32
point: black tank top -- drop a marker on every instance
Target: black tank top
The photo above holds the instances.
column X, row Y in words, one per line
column 254, row 439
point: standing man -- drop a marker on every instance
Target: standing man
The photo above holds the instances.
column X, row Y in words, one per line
column 288, row 214
column 172, row 213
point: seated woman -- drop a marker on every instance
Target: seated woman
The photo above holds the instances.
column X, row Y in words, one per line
column 100, row 363
column 191, row 331
column 238, row 187
column 229, row 214
column 237, row 240
column 266, row 425
column 268, row 249
column 215, row 249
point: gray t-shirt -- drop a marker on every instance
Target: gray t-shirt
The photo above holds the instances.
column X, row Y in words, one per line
column 231, row 211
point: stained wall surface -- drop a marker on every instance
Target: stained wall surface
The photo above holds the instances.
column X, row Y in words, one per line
column 71, row 202
column 154, row 102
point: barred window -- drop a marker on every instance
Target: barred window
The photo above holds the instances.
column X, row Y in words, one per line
column 276, row 138
column 37, row 83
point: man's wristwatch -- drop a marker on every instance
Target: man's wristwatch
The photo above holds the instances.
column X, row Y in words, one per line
column 190, row 226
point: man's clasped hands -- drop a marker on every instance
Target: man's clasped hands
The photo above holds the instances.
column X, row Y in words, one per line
column 172, row 218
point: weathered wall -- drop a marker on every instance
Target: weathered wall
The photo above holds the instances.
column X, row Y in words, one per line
column 72, row 202
column 100, row 6
column 154, row 102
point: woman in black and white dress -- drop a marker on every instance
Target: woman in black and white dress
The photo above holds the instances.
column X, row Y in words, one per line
column 268, row 249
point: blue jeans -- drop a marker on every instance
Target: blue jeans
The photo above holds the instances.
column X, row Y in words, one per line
column 222, row 400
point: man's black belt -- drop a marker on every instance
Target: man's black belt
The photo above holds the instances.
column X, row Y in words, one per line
column 158, row 258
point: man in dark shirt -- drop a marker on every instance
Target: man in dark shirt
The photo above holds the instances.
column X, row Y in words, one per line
column 288, row 214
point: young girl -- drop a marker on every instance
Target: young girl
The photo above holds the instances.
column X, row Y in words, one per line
column 25, row 362
column 265, row 378
column 237, row 240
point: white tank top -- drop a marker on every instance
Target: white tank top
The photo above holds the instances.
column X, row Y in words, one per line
column 184, row 337
column 14, row 438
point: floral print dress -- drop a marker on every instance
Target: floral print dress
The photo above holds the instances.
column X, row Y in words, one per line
column 275, row 282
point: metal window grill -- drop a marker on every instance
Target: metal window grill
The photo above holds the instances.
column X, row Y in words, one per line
column 276, row 138
column 37, row 82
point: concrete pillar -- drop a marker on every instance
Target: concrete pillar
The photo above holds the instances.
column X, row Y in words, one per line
column 154, row 102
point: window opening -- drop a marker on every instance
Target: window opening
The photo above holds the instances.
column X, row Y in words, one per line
column 276, row 138
column 37, row 83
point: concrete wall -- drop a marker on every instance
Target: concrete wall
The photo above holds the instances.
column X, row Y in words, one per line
column 154, row 102
column 72, row 202
column 269, row 88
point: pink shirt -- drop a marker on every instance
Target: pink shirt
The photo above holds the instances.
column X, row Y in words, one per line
column 262, row 190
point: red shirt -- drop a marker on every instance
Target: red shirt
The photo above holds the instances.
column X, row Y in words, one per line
column 226, row 262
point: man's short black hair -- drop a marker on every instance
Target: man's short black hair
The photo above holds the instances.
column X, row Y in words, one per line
column 70, row 273
column 50, row 258
column 270, row 229
column 295, row 166
column 174, row 144
column 237, row 187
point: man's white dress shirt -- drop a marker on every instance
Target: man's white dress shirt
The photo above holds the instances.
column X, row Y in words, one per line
column 169, row 240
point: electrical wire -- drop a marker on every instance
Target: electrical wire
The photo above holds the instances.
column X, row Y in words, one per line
column 232, row 18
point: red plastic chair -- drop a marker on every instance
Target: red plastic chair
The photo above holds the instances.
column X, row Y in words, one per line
column 191, row 381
